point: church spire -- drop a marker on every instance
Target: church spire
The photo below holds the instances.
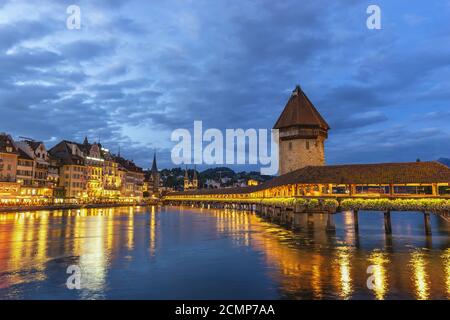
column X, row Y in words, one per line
column 195, row 173
column 154, row 167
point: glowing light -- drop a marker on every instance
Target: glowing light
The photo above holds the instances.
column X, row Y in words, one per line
column 420, row 276
column 378, row 260
column 343, row 259
column 446, row 261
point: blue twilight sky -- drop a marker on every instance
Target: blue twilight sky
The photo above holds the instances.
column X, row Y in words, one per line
column 136, row 70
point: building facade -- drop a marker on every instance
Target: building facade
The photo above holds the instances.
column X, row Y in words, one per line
column 190, row 184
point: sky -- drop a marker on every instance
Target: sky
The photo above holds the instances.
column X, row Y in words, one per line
column 137, row 70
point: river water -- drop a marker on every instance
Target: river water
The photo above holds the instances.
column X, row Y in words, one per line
column 188, row 253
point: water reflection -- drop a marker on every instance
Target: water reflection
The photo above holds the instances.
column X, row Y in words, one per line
column 446, row 264
column 420, row 276
column 125, row 252
column 378, row 262
column 343, row 260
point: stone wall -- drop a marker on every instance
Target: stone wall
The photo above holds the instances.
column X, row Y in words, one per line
column 294, row 154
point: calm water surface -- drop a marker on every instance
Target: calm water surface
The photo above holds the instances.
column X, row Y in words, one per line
column 184, row 253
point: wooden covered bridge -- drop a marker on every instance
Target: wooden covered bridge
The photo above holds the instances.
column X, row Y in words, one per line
column 386, row 187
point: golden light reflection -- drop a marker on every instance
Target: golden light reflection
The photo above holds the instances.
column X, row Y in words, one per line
column 130, row 234
column 152, row 231
column 446, row 261
column 92, row 258
column 235, row 223
column 343, row 260
column 420, row 276
column 377, row 272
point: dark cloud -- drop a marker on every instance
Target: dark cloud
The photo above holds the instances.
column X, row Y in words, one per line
column 153, row 67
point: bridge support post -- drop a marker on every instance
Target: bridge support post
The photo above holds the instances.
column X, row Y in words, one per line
column 331, row 227
column 277, row 213
column 283, row 215
column 296, row 219
column 356, row 221
column 427, row 221
column 310, row 219
column 291, row 218
column 387, row 222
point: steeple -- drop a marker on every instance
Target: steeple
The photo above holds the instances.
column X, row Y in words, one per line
column 154, row 167
column 195, row 173
column 186, row 175
column 195, row 180
column 85, row 142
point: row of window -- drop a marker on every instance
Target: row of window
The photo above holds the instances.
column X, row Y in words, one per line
column 78, row 185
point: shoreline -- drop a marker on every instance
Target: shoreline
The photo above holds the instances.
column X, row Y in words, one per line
column 73, row 206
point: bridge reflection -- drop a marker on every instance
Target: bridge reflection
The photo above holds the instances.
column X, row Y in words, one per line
column 318, row 265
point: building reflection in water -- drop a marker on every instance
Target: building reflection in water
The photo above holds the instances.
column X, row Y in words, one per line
column 29, row 241
column 152, row 231
column 130, row 234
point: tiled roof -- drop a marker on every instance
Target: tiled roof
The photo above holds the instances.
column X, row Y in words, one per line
column 299, row 111
column 6, row 140
column 62, row 152
column 24, row 155
column 33, row 144
column 128, row 164
column 380, row 173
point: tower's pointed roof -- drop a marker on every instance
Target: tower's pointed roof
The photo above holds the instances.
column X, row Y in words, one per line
column 299, row 111
column 195, row 173
column 186, row 176
column 154, row 167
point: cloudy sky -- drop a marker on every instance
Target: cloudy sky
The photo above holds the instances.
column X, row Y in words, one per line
column 134, row 72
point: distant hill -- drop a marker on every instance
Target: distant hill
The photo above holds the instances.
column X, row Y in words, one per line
column 445, row 161
column 227, row 177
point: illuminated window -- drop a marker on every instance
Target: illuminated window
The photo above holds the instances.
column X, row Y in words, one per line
column 444, row 190
column 413, row 189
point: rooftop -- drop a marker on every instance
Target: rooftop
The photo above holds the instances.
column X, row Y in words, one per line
column 379, row 173
column 299, row 111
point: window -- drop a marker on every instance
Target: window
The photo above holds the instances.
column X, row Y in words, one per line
column 413, row 189
column 339, row 190
column 444, row 190
column 290, row 145
column 372, row 189
column 307, row 145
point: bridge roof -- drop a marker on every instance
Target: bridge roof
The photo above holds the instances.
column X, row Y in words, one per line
column 379, row 173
